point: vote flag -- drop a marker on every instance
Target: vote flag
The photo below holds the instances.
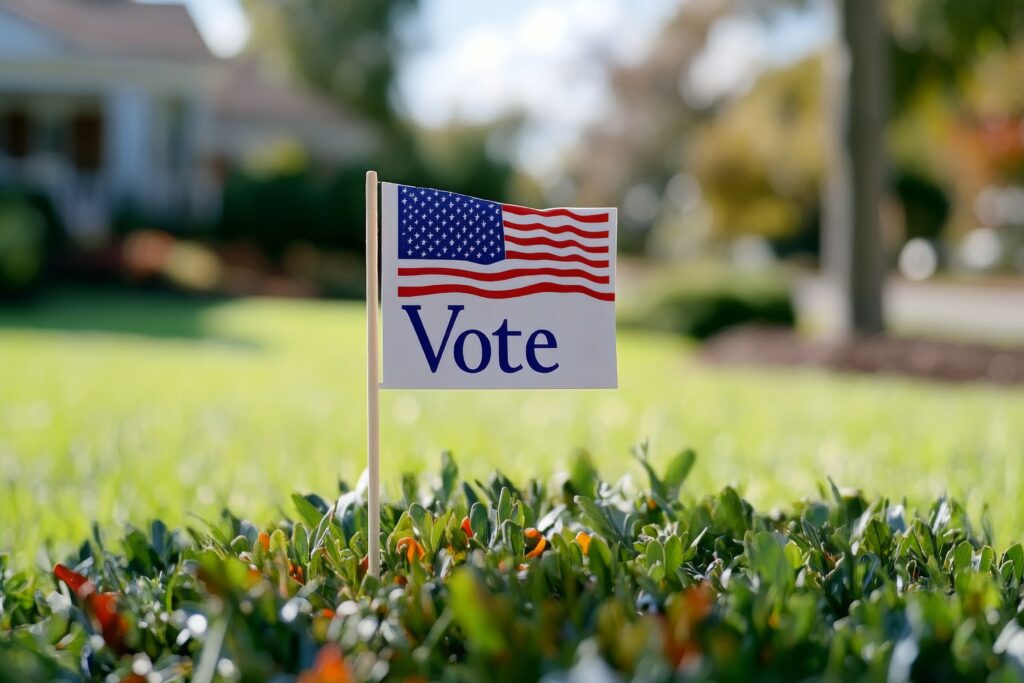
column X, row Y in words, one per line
column 479, row 294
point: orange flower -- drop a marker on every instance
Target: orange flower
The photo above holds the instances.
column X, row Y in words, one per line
column 295, row 571
column 329, row 667
column 541, row 542
column 327, row 613
column 264, row 539
column 583, row 538
column 364, row 565
column 467, row 528
column 101, row 608
column 413, row 549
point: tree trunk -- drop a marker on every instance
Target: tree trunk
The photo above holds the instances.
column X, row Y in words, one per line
column 856, row 105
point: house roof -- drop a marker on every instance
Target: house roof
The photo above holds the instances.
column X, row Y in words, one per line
column 252, row 90
column 118, row 27
column 256, row 101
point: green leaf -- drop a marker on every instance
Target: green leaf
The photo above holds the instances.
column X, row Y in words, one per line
column 512, row 535
column 300, row 541
column 1015, row 556
column 769, row 561
column 600, row 560
column 419, row 517
column 504, row 505
column 678, row 470
column 730, row 513
column 596, row 517
column 449, row 476
column 877, row 538
column 963, row 558
column 654, row 553
column 480, row 524
column 278, row 542
column 309, row 513
column 985, row 558
column 437, row 532
column 691, row 550
column 583, row 475
column 794, row 555
column 673, row 553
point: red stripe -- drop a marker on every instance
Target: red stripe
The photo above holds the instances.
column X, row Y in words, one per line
column 582, row 218
column 548, row 242
column 547, row 287
column 545, row 256
column 506, row 274
column 557, row 230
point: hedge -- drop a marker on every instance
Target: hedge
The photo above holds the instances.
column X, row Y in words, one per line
column 575, row 580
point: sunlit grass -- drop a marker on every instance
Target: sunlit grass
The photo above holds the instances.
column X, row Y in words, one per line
column 122, row 409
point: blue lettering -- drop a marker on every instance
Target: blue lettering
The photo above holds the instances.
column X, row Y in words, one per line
column 460, row 351
column 531, row 351
column 433, row 359
column 537, row 341
column 503, row 333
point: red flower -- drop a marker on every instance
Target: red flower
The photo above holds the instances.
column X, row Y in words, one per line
column 467, row 528
column 101, row 608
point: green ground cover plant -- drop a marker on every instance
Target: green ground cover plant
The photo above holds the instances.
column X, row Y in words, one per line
column 570, row 580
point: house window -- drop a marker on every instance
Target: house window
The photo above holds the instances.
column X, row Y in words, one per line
column 17, row 133
column 87, row 141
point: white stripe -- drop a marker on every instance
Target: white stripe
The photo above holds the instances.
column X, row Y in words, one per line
column 543, row 248
column 554, row 221
column 590, row 241
column 501, row 266
column 511, row 283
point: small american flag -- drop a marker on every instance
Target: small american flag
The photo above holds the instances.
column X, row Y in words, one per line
column 449, row 243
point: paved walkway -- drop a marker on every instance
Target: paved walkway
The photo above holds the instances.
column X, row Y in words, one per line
column 989, row 312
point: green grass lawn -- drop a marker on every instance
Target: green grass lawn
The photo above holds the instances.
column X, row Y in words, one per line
column 121, row 408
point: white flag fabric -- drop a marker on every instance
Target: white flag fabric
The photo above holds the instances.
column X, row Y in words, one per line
column 482, row 295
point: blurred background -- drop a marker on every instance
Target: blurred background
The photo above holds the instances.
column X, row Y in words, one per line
column 802, row 183
column 217, row 146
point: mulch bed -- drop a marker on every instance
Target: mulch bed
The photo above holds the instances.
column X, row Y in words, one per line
column 883, row 355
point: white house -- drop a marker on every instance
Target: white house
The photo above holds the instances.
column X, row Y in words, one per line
column 109, row 104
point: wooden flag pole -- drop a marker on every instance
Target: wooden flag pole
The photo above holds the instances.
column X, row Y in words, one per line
column 372, row 376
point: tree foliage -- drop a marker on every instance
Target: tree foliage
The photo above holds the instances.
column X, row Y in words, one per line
column 345, row 48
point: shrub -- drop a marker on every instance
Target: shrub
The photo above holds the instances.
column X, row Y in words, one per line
column 580, row 580
column 702, row 303
column 29, row 236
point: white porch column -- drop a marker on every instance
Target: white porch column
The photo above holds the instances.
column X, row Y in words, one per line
column 128, row 153
column 202, row 195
